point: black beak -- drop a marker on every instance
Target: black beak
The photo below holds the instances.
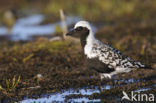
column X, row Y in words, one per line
column 70, row 33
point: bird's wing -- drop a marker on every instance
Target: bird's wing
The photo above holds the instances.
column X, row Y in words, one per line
column 114, row 57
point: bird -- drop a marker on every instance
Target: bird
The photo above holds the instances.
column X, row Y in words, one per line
column 103, row 58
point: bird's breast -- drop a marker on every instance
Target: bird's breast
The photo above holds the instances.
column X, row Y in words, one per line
column 88, row 51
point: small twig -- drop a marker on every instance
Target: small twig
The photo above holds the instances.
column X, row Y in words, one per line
column 64, row 26
column 65, row 30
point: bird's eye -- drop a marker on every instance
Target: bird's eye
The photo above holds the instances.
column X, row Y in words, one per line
column 79, row 28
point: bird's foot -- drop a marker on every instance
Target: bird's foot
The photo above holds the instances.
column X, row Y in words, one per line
column 105, row 76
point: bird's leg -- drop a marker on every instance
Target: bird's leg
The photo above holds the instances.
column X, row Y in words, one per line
column 105, row 76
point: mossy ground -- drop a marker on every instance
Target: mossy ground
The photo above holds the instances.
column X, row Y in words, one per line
column 128, row 26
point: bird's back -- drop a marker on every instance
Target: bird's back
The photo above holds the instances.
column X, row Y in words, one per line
column 112, row 57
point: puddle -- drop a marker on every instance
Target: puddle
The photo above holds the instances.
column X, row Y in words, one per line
column 131, row 80
column 35, row 19
column 29, row 26
column 3, row 30
column 61, row 96
column 142, row 89
column 84, row 92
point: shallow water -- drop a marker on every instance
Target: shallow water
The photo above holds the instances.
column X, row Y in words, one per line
column 144, row 89
column 61, row 96
column 29, row 26
column 3, row 30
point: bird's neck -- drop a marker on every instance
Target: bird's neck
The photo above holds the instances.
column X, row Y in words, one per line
column 87, row 39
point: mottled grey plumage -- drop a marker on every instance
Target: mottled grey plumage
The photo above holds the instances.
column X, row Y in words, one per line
column 113, row 57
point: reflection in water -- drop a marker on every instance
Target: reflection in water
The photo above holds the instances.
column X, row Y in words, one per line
column 27, row 27
column 60, row 96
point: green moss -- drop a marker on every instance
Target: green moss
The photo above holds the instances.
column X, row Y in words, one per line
column 55, row 46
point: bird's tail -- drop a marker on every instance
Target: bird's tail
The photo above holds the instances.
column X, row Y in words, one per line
column 146, row 67
column 142, row 66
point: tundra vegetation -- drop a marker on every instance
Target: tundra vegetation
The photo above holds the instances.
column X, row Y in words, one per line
column 40, row 66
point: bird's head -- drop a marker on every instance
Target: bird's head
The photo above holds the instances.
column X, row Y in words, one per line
column 81, row 28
